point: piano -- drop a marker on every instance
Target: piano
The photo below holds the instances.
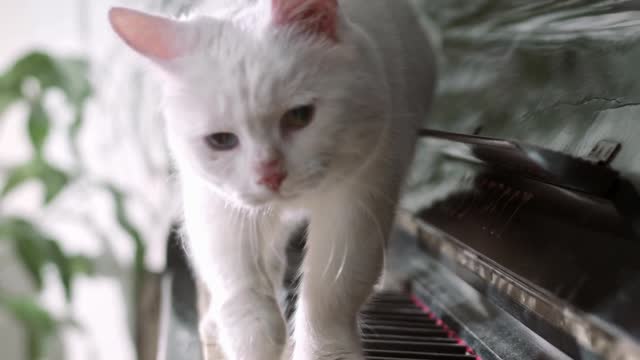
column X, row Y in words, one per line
column 531, row 254
column 518, row 237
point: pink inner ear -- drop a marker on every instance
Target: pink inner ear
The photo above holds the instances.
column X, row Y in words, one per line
column 152, row 36
column 315, row 16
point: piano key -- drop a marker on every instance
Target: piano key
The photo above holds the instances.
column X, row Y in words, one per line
column 415, row 325
column 408, row 331
column 394, row 311
column 407, row 355
column 422, row 347
column 422, row 318
column 409, row 338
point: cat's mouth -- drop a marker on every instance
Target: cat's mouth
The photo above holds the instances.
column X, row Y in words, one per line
column 289, row 192
column 267, row 199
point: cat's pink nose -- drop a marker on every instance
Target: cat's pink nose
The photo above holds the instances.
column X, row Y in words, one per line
column 268, row 166
column 271, row 174
column 273, row 180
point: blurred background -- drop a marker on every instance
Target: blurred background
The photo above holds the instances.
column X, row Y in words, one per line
column 86, row 202
column 85, row 199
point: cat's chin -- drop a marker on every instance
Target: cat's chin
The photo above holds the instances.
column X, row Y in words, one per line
column 262, row 200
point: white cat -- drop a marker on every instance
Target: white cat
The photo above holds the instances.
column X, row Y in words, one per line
column 281, row 110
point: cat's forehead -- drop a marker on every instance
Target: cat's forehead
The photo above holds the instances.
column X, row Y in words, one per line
column 251, row 70
column 242, row 77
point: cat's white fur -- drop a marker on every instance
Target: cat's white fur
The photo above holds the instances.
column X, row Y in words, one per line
column 234, row 70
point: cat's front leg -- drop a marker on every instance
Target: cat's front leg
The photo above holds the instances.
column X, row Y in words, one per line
column 347, row 236
column 233, row 255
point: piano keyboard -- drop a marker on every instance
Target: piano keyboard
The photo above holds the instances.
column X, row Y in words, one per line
column 394, row 326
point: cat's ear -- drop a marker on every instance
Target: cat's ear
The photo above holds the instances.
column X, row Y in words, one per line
column 158, row 38
column 313, row 16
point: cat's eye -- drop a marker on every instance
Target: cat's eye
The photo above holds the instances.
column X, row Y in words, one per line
column 222, row 141
column 297, row 118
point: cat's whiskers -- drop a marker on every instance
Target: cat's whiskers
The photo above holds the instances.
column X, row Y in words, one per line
column 282, row 257
column 330, row 260
column 382, row 237
column 374, row 191
column 345, row 254
column 308, row 176
column 255, row 240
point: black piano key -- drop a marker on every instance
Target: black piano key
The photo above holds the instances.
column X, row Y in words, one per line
column 394, row 311
column 391, row 302
column 388, row 302
column 404, row 318
column 407, row 331
column 415, row 325
column 408, row 355
column 390, row 295
column 415, row 346
column 408, row 338
column 395, row 328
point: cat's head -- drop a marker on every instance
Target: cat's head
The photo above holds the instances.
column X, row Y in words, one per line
column 269, row 102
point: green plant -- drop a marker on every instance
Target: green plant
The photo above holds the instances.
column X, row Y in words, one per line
column 27, row 82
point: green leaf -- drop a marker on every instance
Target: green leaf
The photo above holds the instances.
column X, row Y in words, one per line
column 7, row 98
column 34, row 65
column 33, row 256
column 29, row 245
column 38, row 126
column 69, row 75
column 31, row 315
column 75, row 75
column 35, row 346
column 17, row 176
column 129, row 228
column 73, row 132
column 35, row 250
column 68, row 266
column 38, row 324
column 126, row 225
column 63, row 265
column 76, row 125
column 53, row 179
column 82, row 265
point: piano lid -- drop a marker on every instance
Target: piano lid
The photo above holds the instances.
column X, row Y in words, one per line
column 551, row 238
column 530, row 173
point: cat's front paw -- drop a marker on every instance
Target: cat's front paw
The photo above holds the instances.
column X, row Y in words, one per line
column 338, row 348
column 252, row 329
column 328, row 354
